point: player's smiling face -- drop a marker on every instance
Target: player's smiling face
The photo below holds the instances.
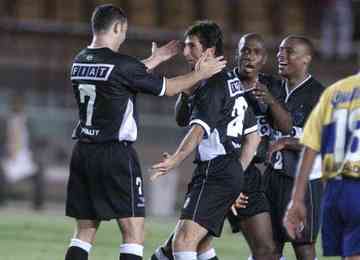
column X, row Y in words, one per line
column 251, row 57
column 192, row 49
column 291, row 58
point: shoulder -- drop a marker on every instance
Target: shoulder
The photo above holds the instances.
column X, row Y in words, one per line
column 126, row 60
column 316, row 85
column 344, row 85
column 269, row 79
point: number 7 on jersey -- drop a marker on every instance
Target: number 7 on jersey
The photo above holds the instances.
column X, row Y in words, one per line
column 87, row 90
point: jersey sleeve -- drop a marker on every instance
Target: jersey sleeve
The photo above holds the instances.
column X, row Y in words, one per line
column 135, row 76
column 313, row 127
column 250, row 124
column 206, row 108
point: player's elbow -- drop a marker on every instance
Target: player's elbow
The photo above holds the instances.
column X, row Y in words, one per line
column 181, row 122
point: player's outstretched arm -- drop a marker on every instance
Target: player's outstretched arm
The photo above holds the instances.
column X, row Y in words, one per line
column 188, row 144
column 205, row 68
column 161, row 54
column 295, row 215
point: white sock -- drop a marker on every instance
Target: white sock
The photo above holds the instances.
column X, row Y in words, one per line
column 207, row 254
column 282, row 257
column 132, row 249
column 81, row 244
column 185, row 255
column 160, row 255
column 250, row 257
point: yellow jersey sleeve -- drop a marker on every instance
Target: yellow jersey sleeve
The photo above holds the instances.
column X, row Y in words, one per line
column 313, row 127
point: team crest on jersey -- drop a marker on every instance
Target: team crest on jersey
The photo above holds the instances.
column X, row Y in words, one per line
column 83, row 71
column 235, row 87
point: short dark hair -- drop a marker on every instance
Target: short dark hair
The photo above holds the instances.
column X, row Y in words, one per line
column 304, row 41
column 104, row 16
column 209, row 34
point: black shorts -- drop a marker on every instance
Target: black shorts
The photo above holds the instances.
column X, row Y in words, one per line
column 105, row 182
column 258, row 202
column 278, row 191
column 214, row 187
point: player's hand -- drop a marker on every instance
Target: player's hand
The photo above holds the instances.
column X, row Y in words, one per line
column 262, row 94
column 208, row 66
column 164, row 167
column 276, row 146
column 166, row 51
column 294, row 219
column 240, row 202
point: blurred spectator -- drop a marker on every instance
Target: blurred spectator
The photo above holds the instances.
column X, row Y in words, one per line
column 336, row 28
column 17, row 162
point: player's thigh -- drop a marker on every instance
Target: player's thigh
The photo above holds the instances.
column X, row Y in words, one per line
column 132, row 229
column 86, row 229
column 188, row 235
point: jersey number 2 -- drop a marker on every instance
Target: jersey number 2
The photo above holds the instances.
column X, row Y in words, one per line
column 87, row 90
column 235, row 126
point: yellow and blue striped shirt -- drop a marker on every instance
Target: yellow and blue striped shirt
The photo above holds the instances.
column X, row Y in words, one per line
column 333, row 129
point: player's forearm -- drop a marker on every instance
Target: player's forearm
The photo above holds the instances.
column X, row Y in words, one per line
column 151, row 62
column 248, row 149
column 292, row 143
column 182, row 83
column 282, row 118
column 302, row 177
column 182, row 110
column 189, row 143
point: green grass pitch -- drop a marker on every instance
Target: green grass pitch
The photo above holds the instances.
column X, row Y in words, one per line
column 34, row 236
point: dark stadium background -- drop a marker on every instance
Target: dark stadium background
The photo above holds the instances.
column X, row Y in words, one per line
column 38, row 39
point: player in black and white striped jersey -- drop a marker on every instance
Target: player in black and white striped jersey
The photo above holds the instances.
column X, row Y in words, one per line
column 223, row 132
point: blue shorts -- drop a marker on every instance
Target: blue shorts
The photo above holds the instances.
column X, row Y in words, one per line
column 341, row 218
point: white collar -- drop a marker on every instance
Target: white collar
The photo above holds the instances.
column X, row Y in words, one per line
column 288, row 93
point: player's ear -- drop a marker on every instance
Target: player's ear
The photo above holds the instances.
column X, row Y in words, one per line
column 115, row 27
column 264, row 59
column 307, row 59
column 211, row 51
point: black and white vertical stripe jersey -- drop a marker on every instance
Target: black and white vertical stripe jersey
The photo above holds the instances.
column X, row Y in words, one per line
column 220, row 108
column 299, row 101
column 105, row 84
column 264, row 118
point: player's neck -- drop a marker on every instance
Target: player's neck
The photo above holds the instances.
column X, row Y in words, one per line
column 248, row 82
column 294, row 81
column 104, row 42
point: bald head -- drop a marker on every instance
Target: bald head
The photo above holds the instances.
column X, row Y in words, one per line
column 252, row 37
column 251, row 55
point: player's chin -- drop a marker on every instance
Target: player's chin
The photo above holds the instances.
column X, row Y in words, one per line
column 283, row 72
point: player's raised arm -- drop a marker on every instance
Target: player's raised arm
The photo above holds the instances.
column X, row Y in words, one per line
column 205, row 68
column 282, row 118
